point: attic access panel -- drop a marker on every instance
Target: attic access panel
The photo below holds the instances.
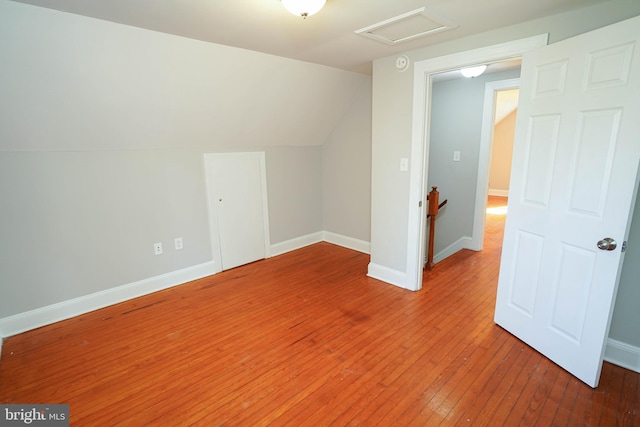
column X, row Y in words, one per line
column 408, row 26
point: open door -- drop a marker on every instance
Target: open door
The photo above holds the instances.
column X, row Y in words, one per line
column 573, row 185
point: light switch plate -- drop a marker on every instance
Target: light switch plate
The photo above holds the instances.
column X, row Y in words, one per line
column 404, row 164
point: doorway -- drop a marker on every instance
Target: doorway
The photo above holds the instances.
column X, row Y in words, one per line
column 423, row 72
column 467, row 114
column 491, row 113
column 504, row 124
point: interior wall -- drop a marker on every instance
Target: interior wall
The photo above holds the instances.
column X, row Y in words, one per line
column 294, row 184
column 346, row 172
column 625, row 324
column 501, row 154
column 103, row 128
column 75, row 223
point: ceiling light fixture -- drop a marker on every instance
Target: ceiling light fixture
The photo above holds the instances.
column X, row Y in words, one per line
column 473, row 71
column 303, row 8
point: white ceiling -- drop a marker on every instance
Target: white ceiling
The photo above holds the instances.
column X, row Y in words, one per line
column 326, row 38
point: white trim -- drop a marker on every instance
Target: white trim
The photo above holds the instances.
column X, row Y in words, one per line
column 499, row 193
column 297, row 243
column 387, row 275
column 265, row 204
column 484, row 157
column 321, row 236
column 420, row 135
column 22, row 322
column 622, row 354
column 464, row 242
column 43, row 316
column 347, row 242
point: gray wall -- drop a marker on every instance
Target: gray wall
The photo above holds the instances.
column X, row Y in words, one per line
column 294, row 183
column 456, row 125
column 502, row 152
column 103, row 128
column 625, row 324
column 346, row 171
column 75, row 223
column 392, row 114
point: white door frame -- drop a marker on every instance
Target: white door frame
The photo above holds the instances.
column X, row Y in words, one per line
column 484, row 159
column 423, row 71
column 213, row 214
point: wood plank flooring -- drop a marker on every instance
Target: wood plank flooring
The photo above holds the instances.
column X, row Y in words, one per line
column 306, row 339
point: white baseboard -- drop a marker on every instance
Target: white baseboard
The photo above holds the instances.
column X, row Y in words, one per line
column 622, row 354
column 297, row 243
column 347, row 242
column 617, row 352
column 36, row 318
column 462, row 243
column 22, row 322
column 321, row 236
column 388, row 275
column 496, row 192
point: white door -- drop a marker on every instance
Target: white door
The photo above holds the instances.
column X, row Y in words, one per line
column 573, row 184
column 237, row 198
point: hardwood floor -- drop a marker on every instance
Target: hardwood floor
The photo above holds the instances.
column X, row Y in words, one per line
column 306, row 339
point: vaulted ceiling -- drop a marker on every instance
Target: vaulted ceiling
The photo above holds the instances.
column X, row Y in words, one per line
column 327, row 38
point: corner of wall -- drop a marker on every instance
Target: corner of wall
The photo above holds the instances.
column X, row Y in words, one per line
column 388, row 275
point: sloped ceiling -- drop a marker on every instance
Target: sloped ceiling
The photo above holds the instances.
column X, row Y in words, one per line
column 327, row 38
column 507, row 103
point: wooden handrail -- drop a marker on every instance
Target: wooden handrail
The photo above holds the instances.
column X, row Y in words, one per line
column 432, row 212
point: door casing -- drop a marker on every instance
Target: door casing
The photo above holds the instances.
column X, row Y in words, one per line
column 423, row 70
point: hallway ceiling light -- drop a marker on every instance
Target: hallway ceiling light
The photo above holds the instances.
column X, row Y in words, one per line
column 303, row 8
column 473, row 71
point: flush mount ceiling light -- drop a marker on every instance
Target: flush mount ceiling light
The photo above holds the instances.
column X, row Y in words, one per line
column 303, row 8
column 473, row 71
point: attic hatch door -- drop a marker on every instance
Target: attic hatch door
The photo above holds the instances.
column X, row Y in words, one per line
column 573, row 183
column 237, row 199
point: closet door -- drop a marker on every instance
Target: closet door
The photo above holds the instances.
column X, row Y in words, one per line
column 237, row 200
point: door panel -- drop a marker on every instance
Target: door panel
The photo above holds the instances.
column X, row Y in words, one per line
column 236, row 181
column 575, row 171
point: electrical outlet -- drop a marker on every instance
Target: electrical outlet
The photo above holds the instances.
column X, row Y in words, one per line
column 456, row 156
column 177, row 243
column 157, row 248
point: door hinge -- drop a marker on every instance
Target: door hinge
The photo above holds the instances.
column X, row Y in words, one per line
column 420, row 204
column 624, row 246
